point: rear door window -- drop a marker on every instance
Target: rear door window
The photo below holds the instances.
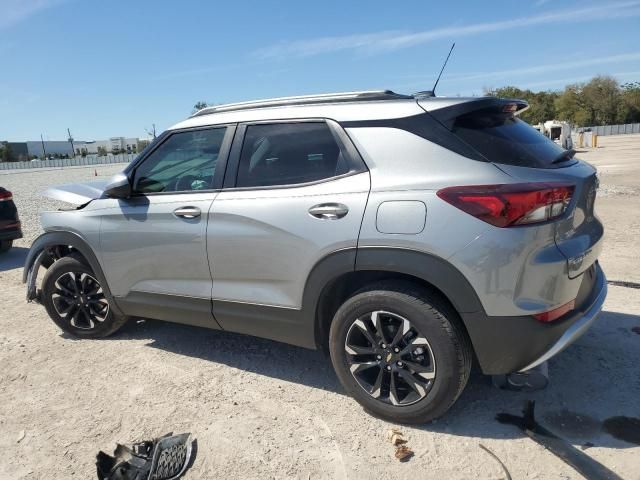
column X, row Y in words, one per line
column 289, row 154
column 504, row 138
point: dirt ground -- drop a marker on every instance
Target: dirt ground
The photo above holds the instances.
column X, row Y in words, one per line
column 260, row 409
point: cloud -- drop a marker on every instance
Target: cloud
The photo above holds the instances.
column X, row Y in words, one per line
column 620, row 76
column 550, row 67
column 539, row 73
column 544, row 80
column 393, row 40
column 15, row 11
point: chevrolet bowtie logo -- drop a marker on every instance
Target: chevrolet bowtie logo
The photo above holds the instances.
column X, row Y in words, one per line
column 389, row 356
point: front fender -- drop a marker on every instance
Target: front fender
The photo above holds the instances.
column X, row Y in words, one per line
column 48, row 240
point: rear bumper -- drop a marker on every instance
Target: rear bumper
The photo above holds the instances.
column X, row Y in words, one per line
column 515, row 344
column 576, row 329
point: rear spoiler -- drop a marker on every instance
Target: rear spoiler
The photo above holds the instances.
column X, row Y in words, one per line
column 447, row 114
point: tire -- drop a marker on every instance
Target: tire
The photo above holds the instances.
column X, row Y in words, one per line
column 5, row 245
column 444, row 357
column 87, row 317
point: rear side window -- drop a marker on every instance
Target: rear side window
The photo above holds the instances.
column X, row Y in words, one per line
column 289, row 154
column 503, row 138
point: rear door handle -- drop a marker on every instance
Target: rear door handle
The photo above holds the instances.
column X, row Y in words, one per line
column 187, row 212
column 329, row 211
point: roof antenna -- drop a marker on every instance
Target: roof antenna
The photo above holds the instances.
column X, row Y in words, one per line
column 432, row 92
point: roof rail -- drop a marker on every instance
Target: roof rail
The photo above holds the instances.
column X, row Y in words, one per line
column 366, row 95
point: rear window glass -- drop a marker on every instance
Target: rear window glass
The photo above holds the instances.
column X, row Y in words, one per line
column 503, row 138
column 288, row 154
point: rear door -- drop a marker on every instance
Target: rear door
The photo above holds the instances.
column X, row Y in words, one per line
column 295, row 191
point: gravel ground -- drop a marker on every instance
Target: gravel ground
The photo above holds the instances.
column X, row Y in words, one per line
column 260, row 409
column 28, row 185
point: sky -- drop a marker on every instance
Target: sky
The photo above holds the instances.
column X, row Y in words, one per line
column 115, row 68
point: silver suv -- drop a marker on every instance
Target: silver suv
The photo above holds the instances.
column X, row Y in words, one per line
column 409, row 236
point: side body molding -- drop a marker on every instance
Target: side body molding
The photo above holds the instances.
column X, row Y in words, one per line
column 51, row 239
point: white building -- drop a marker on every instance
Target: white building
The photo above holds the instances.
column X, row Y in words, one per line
column 114, row 144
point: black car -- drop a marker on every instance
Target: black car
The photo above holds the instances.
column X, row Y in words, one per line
column 9, row 221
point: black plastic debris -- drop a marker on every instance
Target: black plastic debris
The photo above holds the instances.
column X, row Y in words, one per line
column 163, row 458
column 580, row 461
column 534, row 379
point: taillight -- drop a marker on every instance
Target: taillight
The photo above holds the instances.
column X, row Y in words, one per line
column 6, row 196
column 556, row 313
column 511, row 204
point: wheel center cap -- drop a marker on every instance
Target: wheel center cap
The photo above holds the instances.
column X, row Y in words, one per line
column 389, row 357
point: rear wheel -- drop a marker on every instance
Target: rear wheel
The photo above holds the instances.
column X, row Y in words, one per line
column 76, row 302
column 5, row 245
column 400, row 352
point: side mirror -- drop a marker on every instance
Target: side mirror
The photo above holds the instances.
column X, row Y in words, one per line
column 118, row 187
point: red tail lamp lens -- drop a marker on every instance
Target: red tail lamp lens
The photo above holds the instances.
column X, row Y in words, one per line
column 511, row 204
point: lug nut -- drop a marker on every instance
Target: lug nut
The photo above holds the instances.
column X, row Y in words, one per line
column 383, row 346
column 388, row 367
column 379, row 357
column 396, row 349
column 399, row 364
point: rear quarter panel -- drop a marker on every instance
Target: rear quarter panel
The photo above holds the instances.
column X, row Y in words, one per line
column 515, row 271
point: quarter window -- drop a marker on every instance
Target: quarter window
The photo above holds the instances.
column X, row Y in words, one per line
column 289, row 153
column 186, row 161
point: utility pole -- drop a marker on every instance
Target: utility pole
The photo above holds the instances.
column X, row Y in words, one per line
column 152, row 132
column 44, row 152
column 73, row 152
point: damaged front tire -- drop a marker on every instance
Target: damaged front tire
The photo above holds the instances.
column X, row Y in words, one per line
column 76, row 302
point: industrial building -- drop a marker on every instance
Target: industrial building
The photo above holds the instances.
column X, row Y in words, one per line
column 24, row 151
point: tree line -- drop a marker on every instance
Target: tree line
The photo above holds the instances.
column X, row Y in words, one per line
column 600, row 101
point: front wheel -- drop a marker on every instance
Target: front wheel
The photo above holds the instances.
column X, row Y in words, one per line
column 76, row 302
column 400, row 351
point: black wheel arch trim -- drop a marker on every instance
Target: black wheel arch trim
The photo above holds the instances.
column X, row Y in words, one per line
column 428, row 267
column 54, row 238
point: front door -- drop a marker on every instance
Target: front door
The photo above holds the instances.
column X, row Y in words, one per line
column 297, row 196
column 153, row 245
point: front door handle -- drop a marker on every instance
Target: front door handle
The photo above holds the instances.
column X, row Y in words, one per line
column 187, row 212
column 329, row 211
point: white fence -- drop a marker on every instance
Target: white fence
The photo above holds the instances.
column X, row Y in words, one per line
column 68, row 162
column 614, row 129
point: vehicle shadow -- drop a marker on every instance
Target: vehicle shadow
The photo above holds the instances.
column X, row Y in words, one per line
column 594, row 379
column 252, row 354
column 14, row 258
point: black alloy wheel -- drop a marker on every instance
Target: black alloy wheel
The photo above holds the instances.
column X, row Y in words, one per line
column 76, row 301
column 389, row 358
column 79, row 299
